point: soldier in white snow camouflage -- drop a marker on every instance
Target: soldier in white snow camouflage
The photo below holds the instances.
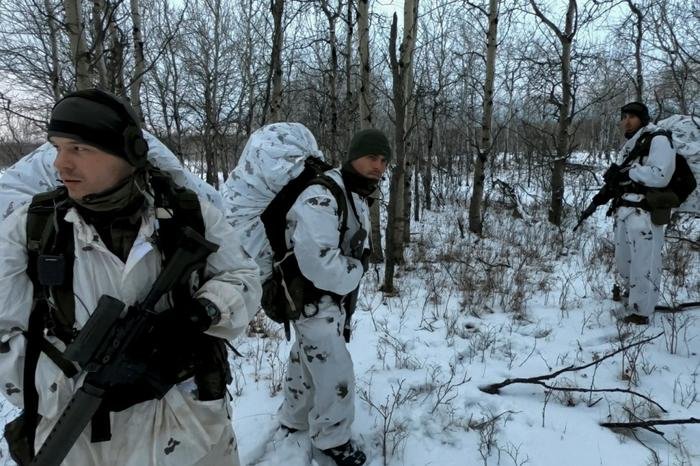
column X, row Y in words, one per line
column 648, row 162
column 319, row 387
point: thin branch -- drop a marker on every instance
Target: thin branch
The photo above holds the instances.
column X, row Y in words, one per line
column 649, row 423
column 494, row 388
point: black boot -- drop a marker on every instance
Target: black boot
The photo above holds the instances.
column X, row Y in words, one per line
column 636, row 319
column 346, row 455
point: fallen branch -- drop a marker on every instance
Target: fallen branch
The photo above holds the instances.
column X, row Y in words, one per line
column 648, row 425
column 493, row 389
column 696, row 244
column 599, row 390
column 677, row 308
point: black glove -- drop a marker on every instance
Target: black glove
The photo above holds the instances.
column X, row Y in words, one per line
column 194, row 316
column 623, row 178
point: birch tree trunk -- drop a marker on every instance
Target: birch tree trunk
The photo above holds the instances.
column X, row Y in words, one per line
column 116, row 57
column 274, row 84
column 400, row 67
column 566, row 38
column 428, row 168
column 485, row 149
column 139, row 61
column 365, row 108
column 98, row 33
column 349, row 106
column 55, row 72
column 332, row 16
column 638, row 24
column 76, row 37
column 365, row 95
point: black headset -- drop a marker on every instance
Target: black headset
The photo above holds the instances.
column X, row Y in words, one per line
column 135, row 146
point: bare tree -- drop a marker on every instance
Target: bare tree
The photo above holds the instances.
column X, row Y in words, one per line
column 274, row 85
column 55, row 66
column 213, row 82
column 401, row 74
column 139, row 61
column 673, row 25
column 75, row 28
column 485, row 148
column 365, row 106
column 33, row 58
column 332, row 92
column 99, row 14
column 349, row 94
column 639, row 30
column 364, row 92
column 563, row 102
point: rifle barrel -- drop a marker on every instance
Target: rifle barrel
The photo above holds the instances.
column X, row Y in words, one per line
column 69, row 426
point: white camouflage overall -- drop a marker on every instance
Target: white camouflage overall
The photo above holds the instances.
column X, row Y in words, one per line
column 319, row 385
column 638, row 242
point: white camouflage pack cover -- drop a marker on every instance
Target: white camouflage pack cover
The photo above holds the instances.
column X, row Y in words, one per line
column 686, row 141
column 34, row 173
column 273, row 156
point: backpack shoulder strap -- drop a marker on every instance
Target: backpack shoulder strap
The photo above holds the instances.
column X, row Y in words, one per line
column 176, row 208
column 274, row 217
column 50, row 250
column 339, row 195
column 643, row 145
column 47, row 234
column 39, row 218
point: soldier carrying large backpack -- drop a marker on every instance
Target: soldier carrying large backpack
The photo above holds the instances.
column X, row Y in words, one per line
column 116, row 229
column 307, row 226
column 650, row 180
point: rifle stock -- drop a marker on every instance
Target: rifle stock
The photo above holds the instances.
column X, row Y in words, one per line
column 107, row 343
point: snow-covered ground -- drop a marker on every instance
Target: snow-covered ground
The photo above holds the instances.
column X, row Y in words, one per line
column 473, row 312
column 527, row 300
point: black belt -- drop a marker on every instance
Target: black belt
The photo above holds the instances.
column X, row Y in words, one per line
column 619, row 202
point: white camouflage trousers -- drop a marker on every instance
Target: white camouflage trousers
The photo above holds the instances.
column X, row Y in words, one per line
column 638, row 246
column 319, row 387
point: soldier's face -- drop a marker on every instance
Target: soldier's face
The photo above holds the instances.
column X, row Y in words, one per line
column 85, row 169
column 630, row 123
column 370, row 166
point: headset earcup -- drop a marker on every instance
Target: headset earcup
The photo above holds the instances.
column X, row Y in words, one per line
column 135, row 145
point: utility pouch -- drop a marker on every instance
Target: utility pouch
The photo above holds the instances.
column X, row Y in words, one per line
column 213, row 373
column 283, row 293
column 660, row 204
column 662, row 199
column 51, row 269
column 18, row 441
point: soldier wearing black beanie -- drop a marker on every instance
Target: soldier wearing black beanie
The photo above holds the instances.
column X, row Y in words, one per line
column 637, row 109
column 102, row 120
column 366, row 142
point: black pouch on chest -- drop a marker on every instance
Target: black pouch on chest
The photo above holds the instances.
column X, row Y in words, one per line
column 51, row 269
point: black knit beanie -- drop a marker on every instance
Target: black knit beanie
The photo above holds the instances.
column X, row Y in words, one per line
column 637, row 109
column 102, row 120
column 368, row 142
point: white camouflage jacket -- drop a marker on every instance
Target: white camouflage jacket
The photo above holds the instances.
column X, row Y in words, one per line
column 313, row 231
column 656, row 169
column 149, row 432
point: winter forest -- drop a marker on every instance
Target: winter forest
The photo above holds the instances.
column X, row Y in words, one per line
column 484, row 331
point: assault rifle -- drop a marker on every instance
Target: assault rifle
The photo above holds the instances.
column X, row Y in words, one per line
column 613, row 176
column 111, row 348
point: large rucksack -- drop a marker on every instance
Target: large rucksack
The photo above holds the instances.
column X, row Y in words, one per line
column 682, row 182
column 279, row 161
column 287, row 291
column 686, row 140
column 50, row 247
